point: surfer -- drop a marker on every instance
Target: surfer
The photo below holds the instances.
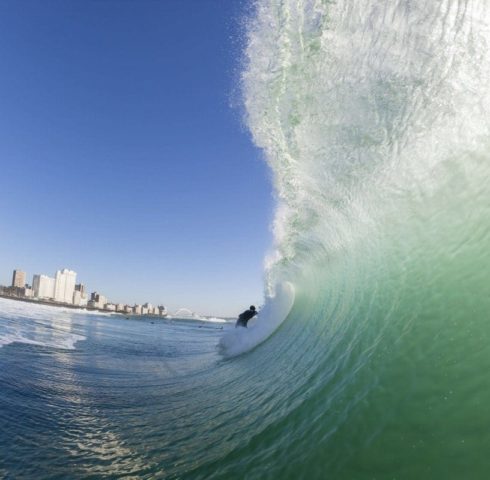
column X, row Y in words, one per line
column 244, row 317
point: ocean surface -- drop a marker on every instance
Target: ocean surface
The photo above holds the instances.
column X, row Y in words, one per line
column 370, row 358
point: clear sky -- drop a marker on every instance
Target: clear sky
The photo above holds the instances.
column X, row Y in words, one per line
column 121, row 155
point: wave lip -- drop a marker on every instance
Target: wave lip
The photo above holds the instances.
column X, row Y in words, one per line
column 273, row 313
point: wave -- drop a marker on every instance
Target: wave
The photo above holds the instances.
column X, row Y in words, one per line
column 373, row 117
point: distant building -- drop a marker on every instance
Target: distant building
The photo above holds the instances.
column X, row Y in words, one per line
column 137, row 309
column 80, row 287
column 97, row 300
column 110, row 306
column 119, row 307
column 162, row 310
column 64, row 285
column 79, row 298
column 42, row 286
column 92, row 304
column 14, row 291
column 18, row 278
column 128, row 309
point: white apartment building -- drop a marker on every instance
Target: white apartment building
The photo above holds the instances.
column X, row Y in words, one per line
column 102, row 301
column 79, row 298
column 64, row 285
column 42, row 286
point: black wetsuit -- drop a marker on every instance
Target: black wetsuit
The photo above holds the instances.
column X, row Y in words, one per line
column 244, row 317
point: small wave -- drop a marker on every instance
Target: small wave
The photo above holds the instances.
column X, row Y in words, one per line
column 213, row 319
column 273, row 313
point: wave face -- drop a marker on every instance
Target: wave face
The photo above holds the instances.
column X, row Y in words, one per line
column 374, row 116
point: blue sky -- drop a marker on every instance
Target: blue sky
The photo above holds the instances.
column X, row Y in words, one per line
column 121, row 156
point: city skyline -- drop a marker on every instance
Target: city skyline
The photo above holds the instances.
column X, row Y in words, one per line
column 62, row 290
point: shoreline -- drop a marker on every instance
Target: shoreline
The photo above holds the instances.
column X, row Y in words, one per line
column 75, row 307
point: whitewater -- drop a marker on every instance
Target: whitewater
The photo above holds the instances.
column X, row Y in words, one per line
column 370, row 356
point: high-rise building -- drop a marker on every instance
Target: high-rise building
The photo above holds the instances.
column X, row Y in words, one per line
column 64, row 285
column 42, row 286
column 18, row 278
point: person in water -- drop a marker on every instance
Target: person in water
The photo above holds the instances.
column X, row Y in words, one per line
column 244, row 317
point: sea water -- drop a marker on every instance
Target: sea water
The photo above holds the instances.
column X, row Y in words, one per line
column 374, row 117
column 90, row 395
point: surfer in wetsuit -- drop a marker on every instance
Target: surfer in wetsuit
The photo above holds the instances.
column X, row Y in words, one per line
column 244, row 317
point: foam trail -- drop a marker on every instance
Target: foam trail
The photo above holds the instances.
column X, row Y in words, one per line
column 272, row 314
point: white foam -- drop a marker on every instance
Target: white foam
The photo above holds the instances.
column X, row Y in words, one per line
column 272, row 314
column 34, row 324
column 64, row 343
column 212, row 319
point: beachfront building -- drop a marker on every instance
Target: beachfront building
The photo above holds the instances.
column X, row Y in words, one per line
column 79, row 295
column 64, row 285
column 162, row 310
column 97, row 300
column 79, row 298
column 18, row 278
column 110, row 306
column 42, row 286
column 137, row 309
